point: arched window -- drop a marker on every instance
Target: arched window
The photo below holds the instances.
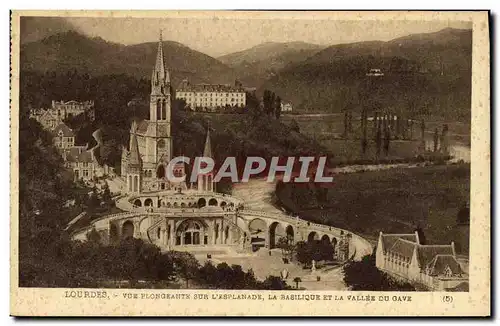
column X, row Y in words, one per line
column 136, row 183
column 164, row 110
column 158, row 110
column 160, row 173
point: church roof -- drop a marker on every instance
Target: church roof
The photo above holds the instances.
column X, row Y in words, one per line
column 135, row 157
column 440, row 262
column 388, row 240
column 403, row 248
column 78, row 154
column 425, row 254
column 64, row 130
column 160, row 73
column 207, row 151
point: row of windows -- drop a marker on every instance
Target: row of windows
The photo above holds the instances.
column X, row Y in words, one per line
column 81, row 164
column 85, row 173
column 210, row 94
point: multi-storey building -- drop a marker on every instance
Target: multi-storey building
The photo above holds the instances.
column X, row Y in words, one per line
column 64, row 137
column 60, row 110
column 434, row 266
column 211, row 96
column 82, row 162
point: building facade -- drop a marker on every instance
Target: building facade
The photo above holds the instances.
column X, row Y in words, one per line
column 64, row 137
column 434, row 266
column 82, row 162
column 145, row 161
column 286, row 107
column 210, row 97
column 60, row 110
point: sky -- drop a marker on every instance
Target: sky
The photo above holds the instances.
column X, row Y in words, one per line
column 217, row 36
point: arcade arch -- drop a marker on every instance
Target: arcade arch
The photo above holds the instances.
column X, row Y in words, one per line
column 127, row 230
column 202, row 202
column 290, row 234
column 312, row 236
column 276, row 231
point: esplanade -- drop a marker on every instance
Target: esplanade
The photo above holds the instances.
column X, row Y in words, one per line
column 194, row 217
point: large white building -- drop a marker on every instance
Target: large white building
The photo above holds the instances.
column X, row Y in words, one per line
column 211, row 97
column 434, row 266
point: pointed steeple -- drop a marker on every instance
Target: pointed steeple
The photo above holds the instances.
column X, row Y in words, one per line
column 207, row 151
column 135, row 162
column 161, row 76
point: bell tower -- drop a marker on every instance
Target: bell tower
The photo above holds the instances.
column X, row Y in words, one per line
column 160, row 107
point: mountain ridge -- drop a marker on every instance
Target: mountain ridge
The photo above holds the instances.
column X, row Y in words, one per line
column 72, row 50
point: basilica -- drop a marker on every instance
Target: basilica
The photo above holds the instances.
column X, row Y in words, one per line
column 150, row 149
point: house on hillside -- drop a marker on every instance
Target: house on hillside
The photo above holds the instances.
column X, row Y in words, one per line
column 60, row 110
column 286, row 107
column 434, row 266
column 64, row 136
column 82, row 162
column 375, row 72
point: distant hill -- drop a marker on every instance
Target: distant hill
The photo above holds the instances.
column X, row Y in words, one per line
column 37, row 28
column 263, row 61
column 73, row 51
column 423, row 74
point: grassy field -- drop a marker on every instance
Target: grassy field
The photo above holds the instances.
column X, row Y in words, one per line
column 332, row 126
column 392, row 201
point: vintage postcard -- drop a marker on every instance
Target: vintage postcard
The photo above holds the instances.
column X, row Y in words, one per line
column 227, row 163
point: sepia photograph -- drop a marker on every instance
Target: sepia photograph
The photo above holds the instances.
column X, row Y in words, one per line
column 188, row 155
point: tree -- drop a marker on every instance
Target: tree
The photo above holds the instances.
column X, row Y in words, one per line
column 421, row 235
column 364, row 140
column 275, row 283
column 422, row 130
column 277, row 110
column 186, row 265
column 436, row 139
column 378, row 140
column 294, row 126
column 387, row 140
column 363, row 275
column 444, row 139
column 346, row 124
column 297, row 280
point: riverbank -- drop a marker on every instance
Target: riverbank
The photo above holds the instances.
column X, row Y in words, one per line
column 392, row 199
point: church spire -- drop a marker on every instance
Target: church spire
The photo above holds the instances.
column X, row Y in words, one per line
column 207, row 151
column 135, row 162
column 161, row 77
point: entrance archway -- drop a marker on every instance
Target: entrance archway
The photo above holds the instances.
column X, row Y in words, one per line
column 212, row 202
column 290, row 234
column 137, row 203
column 148, row 202
column 325, row 239
column 276, row 231
column 257, row 228
column 191, row 232
column 312, row 236
column 127, row 230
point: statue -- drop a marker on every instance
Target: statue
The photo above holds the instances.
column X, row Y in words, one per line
column 313, row 268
